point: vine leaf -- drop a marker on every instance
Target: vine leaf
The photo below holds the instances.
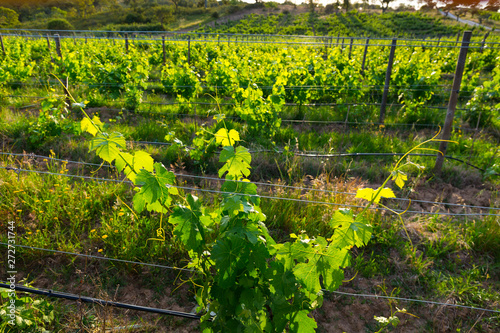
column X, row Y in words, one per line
column 399, row 177
column 188, row 226
column 301, row 322
column 140, row 160
column 227, row 253
column 237, row 163
column 155, row 185
column 91, row 126
column 370, row 194
column 226, row 138
column 107, row 146
column 349, row 231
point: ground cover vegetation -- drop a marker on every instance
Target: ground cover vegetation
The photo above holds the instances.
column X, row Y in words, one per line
column 352, row 19
column 246, row 114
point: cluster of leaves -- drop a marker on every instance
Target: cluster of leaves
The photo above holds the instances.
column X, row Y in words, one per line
column 483, row 107
column 52, row 121
column 353, row 23
column 247, row 281
column 30, row 315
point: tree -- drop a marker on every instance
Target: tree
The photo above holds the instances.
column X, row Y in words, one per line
column 428, row 4
column 385, row 4
column 59, row 24
column 85, row 7
column 346, row 5
column 8, row 18
column 492, row 6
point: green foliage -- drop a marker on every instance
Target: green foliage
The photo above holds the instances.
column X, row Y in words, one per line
column 59, row 24
column 248, row 280
column 8, row 18
column 30, row 315
column 51, row 122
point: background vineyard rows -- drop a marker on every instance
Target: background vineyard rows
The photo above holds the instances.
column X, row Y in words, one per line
column 287, row 97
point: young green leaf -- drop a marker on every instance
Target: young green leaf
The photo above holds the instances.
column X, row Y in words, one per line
column 399, row 177
column 226, row 138
column 107, row 146
column 237, row 163
column 370, row 194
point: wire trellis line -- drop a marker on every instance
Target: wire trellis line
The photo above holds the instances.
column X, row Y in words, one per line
column 100, row 258
column 259, row 183
column 255, row 195
column 411, row 300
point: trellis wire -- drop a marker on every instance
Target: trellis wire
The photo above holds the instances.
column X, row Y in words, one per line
column 257, row 183
column 17, row 170
column 101, row 258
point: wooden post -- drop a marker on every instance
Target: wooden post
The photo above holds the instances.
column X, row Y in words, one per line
column 338, row 38
column 1, row 42
column 164, row 53
column 364, row 57
column 387, row 81
column 48, row 47
column 350, row 47
column 189, row 50
column 452, row 104
column 58, row 45
column 228, row 40
column 458, row 38
column 126, row 43
column 66, row 92
column 484, row 41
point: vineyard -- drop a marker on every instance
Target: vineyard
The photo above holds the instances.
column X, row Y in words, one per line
column 250, row 182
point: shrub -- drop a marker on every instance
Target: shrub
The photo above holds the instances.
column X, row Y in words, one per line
column 59, row 24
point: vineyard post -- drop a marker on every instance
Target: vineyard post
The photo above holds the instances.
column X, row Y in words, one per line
column 338, row 38
column 387, row 81
column 126, row 43
column 48, row 47
column 364, row 57
column 58, row 45
column 1, row 42
column 189, row 50
column 439, row 40
column 164, row 54
column 452, row 104
column 350, row 47
column 66, row 91
column 228, row 40
column 484, row 41
column 458, row 38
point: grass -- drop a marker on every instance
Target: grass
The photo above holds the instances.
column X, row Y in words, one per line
column 452, row 259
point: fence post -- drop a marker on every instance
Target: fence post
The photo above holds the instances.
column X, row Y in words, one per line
column 458, row 38
column 126, row 43
column 164, row 54
column 1, row 42
column 484, row 41
column 387, row 81
column 66, row 92
column 350, row 48
column 189, row 50
column 58, row 45
column 452, row 104
column 48, row 47
column 364, row 57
